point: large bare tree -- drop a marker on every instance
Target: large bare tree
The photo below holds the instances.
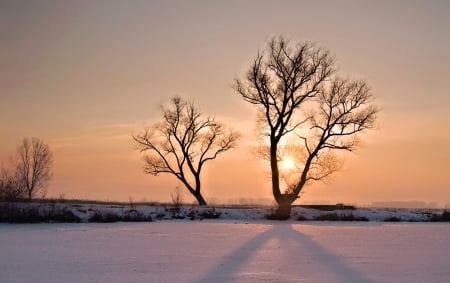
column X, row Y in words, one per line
column 34, row 165
column 183, row 142
column 302, row 106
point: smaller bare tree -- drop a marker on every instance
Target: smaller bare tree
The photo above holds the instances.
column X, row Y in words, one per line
column 34, row 165
column 182, row 143
column 177, row 199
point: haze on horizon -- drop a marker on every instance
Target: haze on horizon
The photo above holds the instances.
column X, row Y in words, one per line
column 86, row 75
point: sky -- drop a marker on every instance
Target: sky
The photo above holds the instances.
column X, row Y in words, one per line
column 84, row 76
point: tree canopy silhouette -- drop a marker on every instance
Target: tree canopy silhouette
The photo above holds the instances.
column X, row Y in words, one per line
column 306, row 110
column 183, row 142
column 34, row 165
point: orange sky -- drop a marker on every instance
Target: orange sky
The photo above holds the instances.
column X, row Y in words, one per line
column 86, row 75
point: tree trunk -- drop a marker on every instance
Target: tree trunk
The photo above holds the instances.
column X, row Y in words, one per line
column 284, row 201
column 274, row 169
column 283, row 211
column 200, row 199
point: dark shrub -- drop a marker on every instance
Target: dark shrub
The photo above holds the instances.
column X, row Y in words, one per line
column 340, row 217
column 393, row 219
column 178, row 216
column 105, row 217
column 131, row 215
column 36, row 214
column 191, row 214
column 136, row 216
column 160, row 215
column 301, row 217
column 210, row 214
column 62, row 215
column 21, row 215
column 444, row 217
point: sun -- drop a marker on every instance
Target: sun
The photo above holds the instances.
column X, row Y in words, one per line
column 287, row 163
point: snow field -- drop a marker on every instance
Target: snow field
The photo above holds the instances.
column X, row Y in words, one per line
column 225, row 251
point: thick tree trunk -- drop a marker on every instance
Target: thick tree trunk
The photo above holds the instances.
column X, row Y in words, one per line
column 275, row 174
column 195, row 192
column 198, row 185
column 285, row 201
column 283, row 211
column 200, row 199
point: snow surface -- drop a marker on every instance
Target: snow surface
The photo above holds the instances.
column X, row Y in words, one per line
column 250, row 213
column 225, row 251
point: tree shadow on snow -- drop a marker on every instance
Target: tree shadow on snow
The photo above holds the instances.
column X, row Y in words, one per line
column 284, row 255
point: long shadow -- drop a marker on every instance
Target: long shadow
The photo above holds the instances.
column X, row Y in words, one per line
column 336, row 265
column 229, row 268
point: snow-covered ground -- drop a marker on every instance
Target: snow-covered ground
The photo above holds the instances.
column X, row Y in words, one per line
column 94, row 212
column 251, row 213
column 225, row 251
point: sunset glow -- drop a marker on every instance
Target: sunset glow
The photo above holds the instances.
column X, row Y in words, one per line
column 85, row 76
column 287, row 163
